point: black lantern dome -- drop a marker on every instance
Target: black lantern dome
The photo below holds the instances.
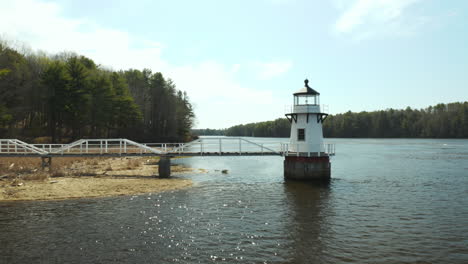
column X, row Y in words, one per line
column 306, row 90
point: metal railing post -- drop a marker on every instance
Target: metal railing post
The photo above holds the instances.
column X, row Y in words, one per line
column 220, row 148
column 240, row 146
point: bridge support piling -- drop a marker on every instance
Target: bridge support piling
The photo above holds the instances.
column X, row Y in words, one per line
column 164, row 169
column 46, row 162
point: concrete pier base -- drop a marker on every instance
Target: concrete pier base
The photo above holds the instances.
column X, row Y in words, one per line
column 307, row 168
column 46, row 162
column 164, row 169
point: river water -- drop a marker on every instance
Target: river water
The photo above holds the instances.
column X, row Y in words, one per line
column 389, row 201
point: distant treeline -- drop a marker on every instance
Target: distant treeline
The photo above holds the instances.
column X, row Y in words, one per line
column 277, row 128
column 66, row 97
column 209, row 132
column 440, row 121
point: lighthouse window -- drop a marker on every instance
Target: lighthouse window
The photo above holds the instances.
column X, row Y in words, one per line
column 301, row 134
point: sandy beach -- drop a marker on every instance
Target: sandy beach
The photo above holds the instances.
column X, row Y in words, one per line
column 23, row 180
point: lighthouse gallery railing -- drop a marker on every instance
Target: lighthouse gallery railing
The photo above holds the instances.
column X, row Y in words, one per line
column 326, row 149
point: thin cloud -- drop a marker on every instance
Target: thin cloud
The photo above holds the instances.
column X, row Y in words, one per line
column 220, row 99
column 369, row 18
column 269, row 70
column 44, row 28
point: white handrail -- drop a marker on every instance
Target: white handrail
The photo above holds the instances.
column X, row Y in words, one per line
column 68, row 146
column 22, row 145
column 219, row 146
column 207, row 146
column 142, row 146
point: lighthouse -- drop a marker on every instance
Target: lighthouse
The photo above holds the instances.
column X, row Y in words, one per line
column 307, row 157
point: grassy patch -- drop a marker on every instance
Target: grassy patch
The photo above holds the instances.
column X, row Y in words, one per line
column 133, row 164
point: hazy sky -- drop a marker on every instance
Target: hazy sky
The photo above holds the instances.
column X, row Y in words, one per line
column 240, row 61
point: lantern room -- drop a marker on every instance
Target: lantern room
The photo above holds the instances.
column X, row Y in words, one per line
column 306, row 95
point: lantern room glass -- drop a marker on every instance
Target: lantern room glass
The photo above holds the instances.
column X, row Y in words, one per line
column 306, row 100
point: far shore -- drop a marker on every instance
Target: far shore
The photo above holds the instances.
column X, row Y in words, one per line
column 23, row 180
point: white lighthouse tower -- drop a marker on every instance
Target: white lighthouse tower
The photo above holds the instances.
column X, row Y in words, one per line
column 307, row 157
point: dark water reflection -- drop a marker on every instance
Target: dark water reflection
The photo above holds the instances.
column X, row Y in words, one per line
column 389, row 202
column 308, row 224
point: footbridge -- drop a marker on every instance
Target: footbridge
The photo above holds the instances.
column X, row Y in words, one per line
column 120, row 147
column 126, row 147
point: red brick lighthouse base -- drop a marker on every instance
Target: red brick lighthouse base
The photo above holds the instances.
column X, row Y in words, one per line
column 307, row 168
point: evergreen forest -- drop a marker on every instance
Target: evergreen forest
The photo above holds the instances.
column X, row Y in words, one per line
column 440, row 121
column 64, row 97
